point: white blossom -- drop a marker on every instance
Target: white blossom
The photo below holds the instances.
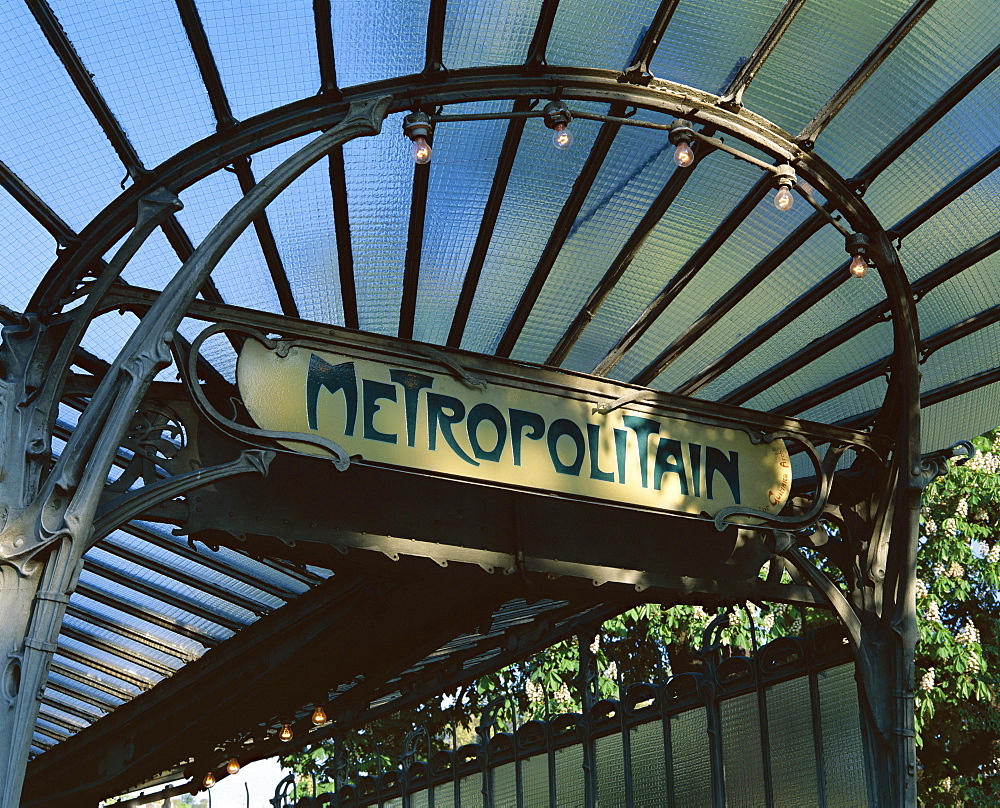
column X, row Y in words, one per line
column 595, row 646
column 921, row 589
column 612, row 671
column 946, row 784
column 940, row 570
column 967, row 634
column 972, row 667
column 699, row 613
column 950, row 526
column 562, row 695
column 956, row 571
column 993, row 556
column 927, row 681
column 534, row 691
column 933, row 612
column 930, row 527
column 962, row 510
column 796, row 625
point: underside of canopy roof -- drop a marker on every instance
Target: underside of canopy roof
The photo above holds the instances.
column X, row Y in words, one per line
column 604, row 259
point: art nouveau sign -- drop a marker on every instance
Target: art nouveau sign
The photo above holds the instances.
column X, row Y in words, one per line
column 546, row 438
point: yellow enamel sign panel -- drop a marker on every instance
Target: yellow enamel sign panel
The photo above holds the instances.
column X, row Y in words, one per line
column 509, row 435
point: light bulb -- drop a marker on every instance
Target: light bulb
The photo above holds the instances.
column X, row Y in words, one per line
column 233, row 766
column 562, row 138
column 859, row 266
column 783, row 200
column 286, row 733
column 208, row 780
column 319, row 716
column 421, row 150
column 683, row 155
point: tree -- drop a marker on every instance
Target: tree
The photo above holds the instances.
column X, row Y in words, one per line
column 958, row 653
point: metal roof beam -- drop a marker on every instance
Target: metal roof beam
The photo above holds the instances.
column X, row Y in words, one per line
column 501, row 177
column 39, row 210
column 657, row 210
column 108, row 669
column 59, row 687
column 733, row 94
column 435, row 36
column 684, row 275
column 638, row 72
column 561, row 231
column 70, row 709
column 864, row 71
column 96, row 643
column 543, row 29
column 414, row 248
column 324, row 48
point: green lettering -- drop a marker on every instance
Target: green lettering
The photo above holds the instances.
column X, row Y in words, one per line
column 519, row 419
column 444, row 412
column 564, row 427
column 669, row 460
column 486, row 412
column 643, row 428
column 371, row 393
column 333, row 377
column 412, row 384
column 594, row 444
column 716, row 461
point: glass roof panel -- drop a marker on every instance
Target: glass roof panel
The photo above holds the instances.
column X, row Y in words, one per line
column 956, row 419
column 639, row 163
column 23, row 268
column 976, row 287
column 539, row 186
column 154, row 264
column 465, row 161
column 708, row 41
column 903, row 88
column 713, row 190
column 598, row 33
column 130, row 66
column 241, row 276
column 378, row 39
column 820, row 50
column 379, row 174
column 77, row 171
column 863, row 398
column 265, row 51
column 488, row 32
column 965, row 357
column 762, row 231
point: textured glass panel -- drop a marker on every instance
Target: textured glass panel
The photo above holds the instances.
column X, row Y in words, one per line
column 708, row 42
column 598, row 33
column 793, row 753
column 378, row 40
column 741, row 751
column 968, row 293
column 151, row 82
column 465, row 158
column 28, row 252
column 649, row 773
column 128, row 646
column 505, row 784
column 535, row 780
column 959, row 418
column 957, row 142
column 379, row 173
column 50, row 139
column 539, row 184
column 842, row 751
column 154, row 264
column 610, row 771
column 471, row 791
column 634, row 172
column 932, row 57
column 569, row 777
column 488, row 32
column 864, row 398
column 973, row 217
column 265, row 51
column 241, row 276
column 444, row 795
column 395, row 802
column 759, row 233
column 107, row 334
column 420, row 800
column 965, row 357
column 709, row 195
column 820, row 50
column 117, row 671
column 692, row 766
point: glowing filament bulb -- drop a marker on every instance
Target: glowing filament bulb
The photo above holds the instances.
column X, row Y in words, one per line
column 683, row 155
column 233, row 766
column 319, row 716
column 562, row 138
column 421, row 150
column 783, row 200
column 859, row 266
column 286, row 733
column 208, row 780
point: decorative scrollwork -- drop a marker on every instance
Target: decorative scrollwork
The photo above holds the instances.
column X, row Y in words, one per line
column 936, row 464
column 824, row 472
column 248, row 434
column 155, row 437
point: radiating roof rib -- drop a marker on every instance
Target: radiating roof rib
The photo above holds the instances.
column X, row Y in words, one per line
column 638, row 71
column 36, row 206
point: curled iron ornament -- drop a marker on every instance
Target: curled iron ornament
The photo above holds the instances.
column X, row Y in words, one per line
column 248, row 434
column 824, row 467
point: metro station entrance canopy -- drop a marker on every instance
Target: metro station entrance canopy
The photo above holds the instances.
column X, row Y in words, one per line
column 290, row 420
